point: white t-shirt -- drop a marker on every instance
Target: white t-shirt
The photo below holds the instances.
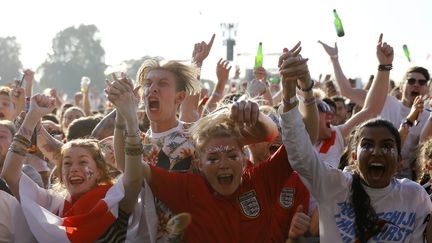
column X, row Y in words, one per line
column 330, row 150
column 395, row 111
column 403, row 205
column 8, row 204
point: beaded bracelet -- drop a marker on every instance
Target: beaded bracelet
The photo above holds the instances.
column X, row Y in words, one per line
column 136, row 134
column 15, row 149
column 134, row 151
column 21, row 139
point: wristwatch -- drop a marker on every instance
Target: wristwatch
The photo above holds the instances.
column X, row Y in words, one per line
column 407, row 122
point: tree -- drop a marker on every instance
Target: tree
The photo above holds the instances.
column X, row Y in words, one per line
column 76, row 52
column 10, row 63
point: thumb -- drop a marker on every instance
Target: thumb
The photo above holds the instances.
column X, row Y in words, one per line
column 299, row 209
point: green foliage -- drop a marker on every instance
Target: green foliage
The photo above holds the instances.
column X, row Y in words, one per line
column 10, row 63
column 76, row 52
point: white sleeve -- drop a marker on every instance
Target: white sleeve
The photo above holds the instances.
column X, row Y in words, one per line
column 424, row 210
column 322, row 181
column 29, row 190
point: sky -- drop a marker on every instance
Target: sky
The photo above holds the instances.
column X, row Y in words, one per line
column 168, row 28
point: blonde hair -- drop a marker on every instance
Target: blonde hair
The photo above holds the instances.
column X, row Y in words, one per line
column 425, row 157
column 215, row 125
column 186, row 75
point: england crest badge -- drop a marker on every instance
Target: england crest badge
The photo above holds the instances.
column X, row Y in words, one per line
column 286, row 197
column 249, row 204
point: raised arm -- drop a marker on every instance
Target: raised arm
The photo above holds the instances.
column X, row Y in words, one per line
column 299, row 74
column 189, row 107
column 105, row 127
column 255, row 126
column 120, row 93
column 375, row 98
column 39, row 106
column 48, row 145
column 85, row 87
column 222, row 73
column 358, row 96
column 258, row 87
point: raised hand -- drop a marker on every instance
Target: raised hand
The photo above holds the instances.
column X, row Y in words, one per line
column 121, row 94
column 41, row 105
column 417, row 108
column 28, row 75
column 331, row 51
column 384, row 52
column 260, row 74
column 201, row 51
column 245, row 113
column 256, row 88
column 293, row 67
column 17, row 96
column 222, row 70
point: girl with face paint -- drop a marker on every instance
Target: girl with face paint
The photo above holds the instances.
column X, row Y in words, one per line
column 227, row 203
column 368, row 205
column 90, row 207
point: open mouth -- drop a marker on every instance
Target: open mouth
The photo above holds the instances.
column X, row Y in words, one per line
column 415, row 94
column 153, row 105
column 376, row 170
column 76, row 180
column 225, row 179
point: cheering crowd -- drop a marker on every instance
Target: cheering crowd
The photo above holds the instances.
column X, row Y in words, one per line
column 166, row 160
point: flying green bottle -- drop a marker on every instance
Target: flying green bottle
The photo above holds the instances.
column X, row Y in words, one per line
column 338, row 24
column 406, row 51
column 259, row 57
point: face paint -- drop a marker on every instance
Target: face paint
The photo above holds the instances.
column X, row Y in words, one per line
column 218, row 149
column 383, row 150
column 89, row 172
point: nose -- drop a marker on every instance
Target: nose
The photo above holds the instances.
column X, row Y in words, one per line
column 73, row 167
column 377, row 151
column 223, row 164
column 151, row 89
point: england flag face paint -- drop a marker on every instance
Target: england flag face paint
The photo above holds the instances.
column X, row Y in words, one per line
column 79, row 171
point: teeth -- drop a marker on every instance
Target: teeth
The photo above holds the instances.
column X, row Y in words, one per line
column 224, row 176
column 377, row 164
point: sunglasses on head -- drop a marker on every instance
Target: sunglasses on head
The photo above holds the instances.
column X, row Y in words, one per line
column 412, row 81
column 324, row 107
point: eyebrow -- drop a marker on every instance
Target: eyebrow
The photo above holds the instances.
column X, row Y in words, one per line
column 384, row 140
column 84, row 155
column 162, row 79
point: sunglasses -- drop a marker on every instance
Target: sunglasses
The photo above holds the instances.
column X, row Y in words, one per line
column 324, row 107
column 412, row 81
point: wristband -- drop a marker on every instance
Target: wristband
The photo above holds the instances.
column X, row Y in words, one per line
column 307, row 89
column 385, row 67
column 291, row 101
column 407, row 122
